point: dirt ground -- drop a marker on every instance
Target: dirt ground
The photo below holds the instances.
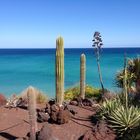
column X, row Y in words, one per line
column 14, row 124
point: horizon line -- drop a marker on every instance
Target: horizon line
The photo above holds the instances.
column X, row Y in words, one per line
column 76, row 48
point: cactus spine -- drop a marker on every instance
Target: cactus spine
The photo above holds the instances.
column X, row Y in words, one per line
column 59, row 66
column 32, row 112
column 82, row 75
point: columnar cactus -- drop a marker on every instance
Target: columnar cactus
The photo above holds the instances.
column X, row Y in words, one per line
column 82, row 75
column 59, row 66
column 32, row 112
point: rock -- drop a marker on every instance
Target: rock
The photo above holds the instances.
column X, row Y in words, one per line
column 100, row 132
column 46, row 133
column 2, row 100
column 42, row 117
column 103, row 132
column 48, row 108
column 74, row 103
column 72, row 110
column 53, row 116
column 51, row 102
column 79, row 100
column 54, row 112
column 55, row 108
column 87, row 102
column 63, row 116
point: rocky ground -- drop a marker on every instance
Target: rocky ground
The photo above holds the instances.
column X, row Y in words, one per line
column 71, row 122
column 14, row 124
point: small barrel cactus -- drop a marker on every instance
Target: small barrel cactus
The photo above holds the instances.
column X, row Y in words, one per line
column 59, row 63
column 82, row 75
column 32, row 112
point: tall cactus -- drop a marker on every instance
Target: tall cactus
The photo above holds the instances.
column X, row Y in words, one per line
column 82, row 75
column 59, row 66
column 32, row 112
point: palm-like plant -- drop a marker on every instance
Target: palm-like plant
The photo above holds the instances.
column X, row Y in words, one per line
column 134, row 67
column 133, row 75
column 97, row 44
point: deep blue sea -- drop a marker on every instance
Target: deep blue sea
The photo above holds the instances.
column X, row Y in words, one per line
column 20, row 68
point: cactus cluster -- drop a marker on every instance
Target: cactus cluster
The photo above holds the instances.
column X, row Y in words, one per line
column 59, row 66
column 82, row 75
column 32, row 112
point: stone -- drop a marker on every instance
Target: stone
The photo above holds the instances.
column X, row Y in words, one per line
column 102, row 131
column 3, row 100
column 63, row 117
column 51, row 102
column 42, row 117
column 55, row 108
column 53, row 116
column 87, row 102
column 74, row 103
column 46, row 133
column 48, row 108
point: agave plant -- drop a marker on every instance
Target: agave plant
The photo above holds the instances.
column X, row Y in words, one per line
column 124, row 120
column 108, row 107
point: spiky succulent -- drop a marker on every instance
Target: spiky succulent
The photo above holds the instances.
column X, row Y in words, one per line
column 123, row 120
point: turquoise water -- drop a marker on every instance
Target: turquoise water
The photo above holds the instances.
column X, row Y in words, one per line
column 20, row 68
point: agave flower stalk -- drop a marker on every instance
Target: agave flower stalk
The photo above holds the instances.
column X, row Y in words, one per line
column 97, row 44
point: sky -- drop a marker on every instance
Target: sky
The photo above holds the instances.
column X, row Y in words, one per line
column 37, row 23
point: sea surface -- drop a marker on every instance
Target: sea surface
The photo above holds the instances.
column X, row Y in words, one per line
column 20, row 68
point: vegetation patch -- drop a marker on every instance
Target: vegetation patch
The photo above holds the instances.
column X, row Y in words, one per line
column 90, row 92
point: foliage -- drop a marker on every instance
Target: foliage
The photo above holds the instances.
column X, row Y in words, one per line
column 123, row 119
column 90, row 92
column 40, row 96
column 108, row 107
column 133, row 75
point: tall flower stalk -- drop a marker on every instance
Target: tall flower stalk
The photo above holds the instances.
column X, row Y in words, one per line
column 97, row 44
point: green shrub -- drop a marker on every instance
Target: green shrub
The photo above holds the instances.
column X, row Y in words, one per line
column 90, row 92
column 41, row 98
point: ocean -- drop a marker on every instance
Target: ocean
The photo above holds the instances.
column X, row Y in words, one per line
column 20, row 68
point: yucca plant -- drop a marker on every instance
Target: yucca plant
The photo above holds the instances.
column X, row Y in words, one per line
column 124, row 120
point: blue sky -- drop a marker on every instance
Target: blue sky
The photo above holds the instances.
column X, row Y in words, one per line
column 37, row 23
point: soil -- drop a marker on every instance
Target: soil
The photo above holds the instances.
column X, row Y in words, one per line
column 14, row 124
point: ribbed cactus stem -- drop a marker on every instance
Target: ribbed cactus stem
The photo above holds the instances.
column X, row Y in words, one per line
column 59, row 62
column 32, row 112
column 82, row 75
